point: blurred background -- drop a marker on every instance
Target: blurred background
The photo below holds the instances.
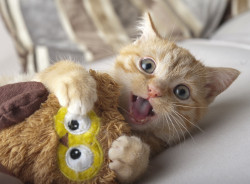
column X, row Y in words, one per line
column 36, row 33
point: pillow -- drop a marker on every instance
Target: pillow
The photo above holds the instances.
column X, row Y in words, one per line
column 230, row 30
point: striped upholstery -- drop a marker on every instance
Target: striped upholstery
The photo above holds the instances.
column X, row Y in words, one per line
column 83, row 30
column 45, row 31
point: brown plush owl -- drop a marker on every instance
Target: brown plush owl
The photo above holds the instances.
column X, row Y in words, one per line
column 40, row 142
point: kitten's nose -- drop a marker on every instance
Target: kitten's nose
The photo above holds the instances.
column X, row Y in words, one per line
column 153, row 91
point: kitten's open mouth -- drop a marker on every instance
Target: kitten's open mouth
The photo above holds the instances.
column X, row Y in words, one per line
column 141, row 110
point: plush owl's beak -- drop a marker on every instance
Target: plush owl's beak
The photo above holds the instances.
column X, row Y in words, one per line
column 64, row 140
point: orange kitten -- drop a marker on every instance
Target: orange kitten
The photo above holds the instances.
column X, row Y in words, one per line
column 165, row 91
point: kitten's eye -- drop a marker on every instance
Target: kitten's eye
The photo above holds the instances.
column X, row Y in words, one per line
column 182, row 92
column 147, row 65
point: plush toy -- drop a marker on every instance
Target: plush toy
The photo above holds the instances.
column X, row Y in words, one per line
column 40, row 142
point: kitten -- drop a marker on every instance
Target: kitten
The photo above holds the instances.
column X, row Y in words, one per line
column 165, row 91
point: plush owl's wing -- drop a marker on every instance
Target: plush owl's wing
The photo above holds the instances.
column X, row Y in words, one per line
column 18, row 101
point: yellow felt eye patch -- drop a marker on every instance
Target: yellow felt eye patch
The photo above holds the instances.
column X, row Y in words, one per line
column 83, row 157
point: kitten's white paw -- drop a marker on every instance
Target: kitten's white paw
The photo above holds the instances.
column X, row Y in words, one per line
column 77, row 94
column 129, row 156
column 73, row 85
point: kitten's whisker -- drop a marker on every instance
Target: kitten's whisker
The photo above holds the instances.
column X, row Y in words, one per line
column 179, row 103
column 174, row 39
column 170, row 129
column 184, row 125
column 175, row 129
column 163, row 124
column 168, row 121
column 178, row 124
column 164, row 136
column 191, row 107
column 168, row 124
column 190, row 122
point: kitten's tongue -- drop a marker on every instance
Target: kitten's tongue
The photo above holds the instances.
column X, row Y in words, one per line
column 141, row 109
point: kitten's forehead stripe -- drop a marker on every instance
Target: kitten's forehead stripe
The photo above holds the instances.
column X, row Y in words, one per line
column 132, row 65
column 162, row 55
column 120, row 64
column 173, row 65
column 129, row 53
column 161, row 71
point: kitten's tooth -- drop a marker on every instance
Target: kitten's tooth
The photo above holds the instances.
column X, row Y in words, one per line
column 152, row 112
column 134, row 98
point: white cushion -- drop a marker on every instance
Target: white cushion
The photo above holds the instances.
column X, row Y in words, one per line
column 220, row 154
column 236, row 30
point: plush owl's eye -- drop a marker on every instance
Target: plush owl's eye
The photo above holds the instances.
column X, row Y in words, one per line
column 75, row 154
column 73, row 125
column 147, row 65
column 79, row 158
column 77, row 124
column 182, row 92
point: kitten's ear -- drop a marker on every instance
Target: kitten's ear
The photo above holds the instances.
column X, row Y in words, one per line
column 219, row 79
column 147, row 27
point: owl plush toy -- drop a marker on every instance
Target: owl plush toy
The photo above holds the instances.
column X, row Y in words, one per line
column 40, row 142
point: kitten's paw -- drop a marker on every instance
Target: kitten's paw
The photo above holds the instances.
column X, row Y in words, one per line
column 72, row 84
column 129, row 156
column 78, row 94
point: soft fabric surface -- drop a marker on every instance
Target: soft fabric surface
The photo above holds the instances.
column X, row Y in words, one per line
column 235, row 30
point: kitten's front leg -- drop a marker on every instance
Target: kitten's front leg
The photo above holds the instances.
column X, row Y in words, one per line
column 72, row 85
column 130, row 157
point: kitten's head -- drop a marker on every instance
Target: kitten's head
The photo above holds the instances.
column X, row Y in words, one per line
column 164, row 88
